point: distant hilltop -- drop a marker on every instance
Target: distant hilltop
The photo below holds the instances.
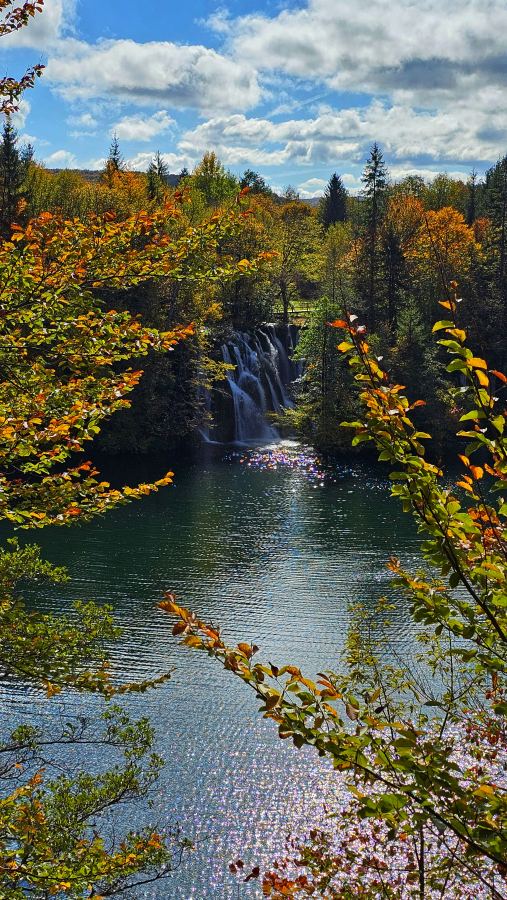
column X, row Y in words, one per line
column 94, row 175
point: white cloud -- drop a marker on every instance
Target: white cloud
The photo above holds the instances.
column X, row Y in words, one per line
column 436, row 72
column 398, row 173
column 85, row 120
column 141, row 128
column 313, row 187
column 45, row 29
column 19, row 117
column 96, row 165
column 220, row 21
column 61, row 159
column 432, row 48
column 32, row 139
column 340, row 136
column 85, row 125
column 176, row 162
column 160, row 71
column 351, row 182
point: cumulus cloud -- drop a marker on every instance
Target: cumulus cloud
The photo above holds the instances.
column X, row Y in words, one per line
column 61, row 159
column 220, row 21
column 176, row 162
column 46, row 28
column 432, row 78
column 152, row 73
column 313, row 187
column 84, row 125
column 345, row 135
column 141, row 128
column 432, row 47
column 19, row 117
column 85, row 120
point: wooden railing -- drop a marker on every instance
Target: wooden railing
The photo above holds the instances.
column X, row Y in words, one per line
column 299, row 311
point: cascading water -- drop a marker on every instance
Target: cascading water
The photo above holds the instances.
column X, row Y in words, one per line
column 258, row 384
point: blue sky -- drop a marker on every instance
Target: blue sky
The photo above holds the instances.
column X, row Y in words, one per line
column 295, row 90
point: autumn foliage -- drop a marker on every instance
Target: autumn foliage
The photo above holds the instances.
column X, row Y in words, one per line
column 427, row 766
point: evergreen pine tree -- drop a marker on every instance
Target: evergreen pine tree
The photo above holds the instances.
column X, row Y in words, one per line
column 115, row 159
column 158, row 175
column 114, row 163
column 472, row 198
column 374, row 196
column 12, row 172
column 333, row 207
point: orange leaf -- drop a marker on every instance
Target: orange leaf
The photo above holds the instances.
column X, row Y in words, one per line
column 475, row 362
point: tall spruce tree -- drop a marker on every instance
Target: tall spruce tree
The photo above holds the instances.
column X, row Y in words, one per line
column 12, row 173
column 374, row 197
column 115, row 158
column 472, row 198
column 333, row 206
column 114, row 163
column 157, row 176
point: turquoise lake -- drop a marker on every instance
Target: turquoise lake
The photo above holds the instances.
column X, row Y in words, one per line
column 277, row 558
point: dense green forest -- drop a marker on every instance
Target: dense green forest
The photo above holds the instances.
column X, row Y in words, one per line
column 387, row 254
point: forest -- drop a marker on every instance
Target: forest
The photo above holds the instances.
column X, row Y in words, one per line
column 118, row 292
column 388, row 254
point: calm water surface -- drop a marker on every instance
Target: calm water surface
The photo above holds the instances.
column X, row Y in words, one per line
column 277, row 560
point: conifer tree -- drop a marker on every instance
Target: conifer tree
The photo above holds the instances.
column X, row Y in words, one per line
column 158, row 175
column 12, row 172
column 472, row 198
column 334, row 203
column 115, row 157
column 115, row 162
column 374, row 196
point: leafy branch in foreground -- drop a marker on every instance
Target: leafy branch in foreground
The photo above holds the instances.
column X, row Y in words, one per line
column 16, row 16
column 64, row 370
column 426, row 764
column 49, row 833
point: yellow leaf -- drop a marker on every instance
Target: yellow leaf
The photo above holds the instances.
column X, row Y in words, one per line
column 482, row 378
column 475, row 362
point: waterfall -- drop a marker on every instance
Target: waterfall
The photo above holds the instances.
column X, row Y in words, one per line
column 258, row 384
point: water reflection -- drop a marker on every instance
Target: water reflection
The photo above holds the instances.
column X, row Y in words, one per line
column 276, row 560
